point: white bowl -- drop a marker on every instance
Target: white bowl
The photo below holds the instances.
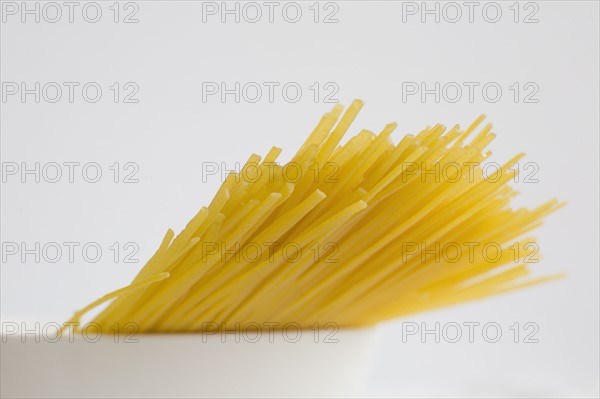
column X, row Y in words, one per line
column 276, row 364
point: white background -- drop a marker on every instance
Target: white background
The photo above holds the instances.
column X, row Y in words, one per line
column 367, row 54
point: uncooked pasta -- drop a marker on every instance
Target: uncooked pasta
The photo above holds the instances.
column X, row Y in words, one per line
column 352, row 234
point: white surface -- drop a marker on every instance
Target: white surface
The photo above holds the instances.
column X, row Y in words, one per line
column 368, row 54
column 191, row 366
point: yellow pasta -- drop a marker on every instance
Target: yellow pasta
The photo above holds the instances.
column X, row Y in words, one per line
column 351, row 234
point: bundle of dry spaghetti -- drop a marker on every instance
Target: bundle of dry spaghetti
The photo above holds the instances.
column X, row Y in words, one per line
column 351, row 234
